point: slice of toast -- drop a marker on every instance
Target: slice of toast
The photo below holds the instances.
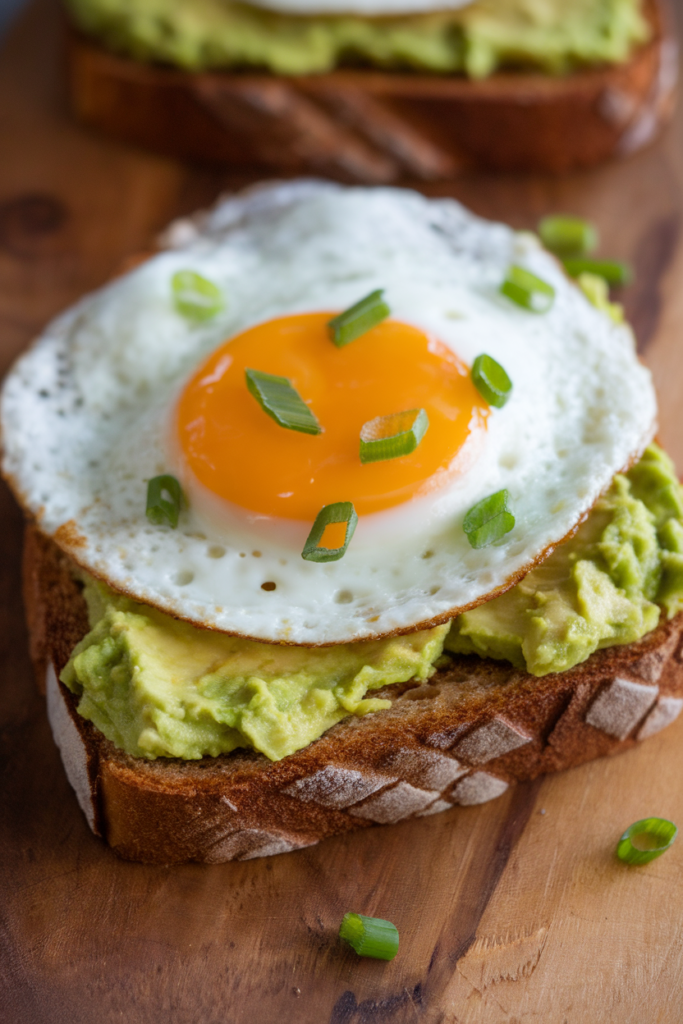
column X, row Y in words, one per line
column 462, row 738
column 374, row 126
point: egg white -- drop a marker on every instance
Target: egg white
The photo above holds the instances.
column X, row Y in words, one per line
column 86, row 411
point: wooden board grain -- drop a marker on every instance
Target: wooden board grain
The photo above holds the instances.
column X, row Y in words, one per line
column 512, row 912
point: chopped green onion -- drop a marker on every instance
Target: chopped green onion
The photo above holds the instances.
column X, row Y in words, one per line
column 370, row 936
column 614, row 272
column 527, row 290
column 359, row 319
column 491, row 381
column 596, row 291
column 568, row 236
column 339, row 512
column 195, row 297
column 489, row 520
column 646, row 839
column 277, row 397
column 390, row 437
column 164, row 498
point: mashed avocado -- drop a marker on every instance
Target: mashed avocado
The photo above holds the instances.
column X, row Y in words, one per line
column 552, row 35
column 161, row 688
column 603, row 587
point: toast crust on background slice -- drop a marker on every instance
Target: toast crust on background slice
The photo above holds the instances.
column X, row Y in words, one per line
column 374, row 126
column 462, row 738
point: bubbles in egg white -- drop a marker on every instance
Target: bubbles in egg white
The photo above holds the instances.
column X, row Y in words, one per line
column 85, row 414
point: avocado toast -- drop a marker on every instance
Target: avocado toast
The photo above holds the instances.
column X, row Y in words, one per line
column 504, row 84
column 538, row 637
column 461, row 737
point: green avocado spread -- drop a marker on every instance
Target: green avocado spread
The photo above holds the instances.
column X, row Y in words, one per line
column 158, row 687
column 554, row 36
column 604, row 586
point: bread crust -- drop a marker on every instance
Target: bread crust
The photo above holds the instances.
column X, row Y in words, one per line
column 462, row 738
column 374, row 126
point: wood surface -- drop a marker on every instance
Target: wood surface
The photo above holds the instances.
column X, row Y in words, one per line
column 512, row 912
column 374, row 126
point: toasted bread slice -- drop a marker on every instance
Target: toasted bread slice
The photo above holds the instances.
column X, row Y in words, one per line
column 462, row 738
column 378, row 127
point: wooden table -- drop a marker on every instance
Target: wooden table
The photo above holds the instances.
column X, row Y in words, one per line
column 511, row 912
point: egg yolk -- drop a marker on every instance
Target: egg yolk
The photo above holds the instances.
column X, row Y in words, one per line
column 243, row 456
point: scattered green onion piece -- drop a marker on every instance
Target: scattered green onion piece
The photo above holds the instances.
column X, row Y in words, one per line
column 596, row 291
column 613, row 271
column 279, row 400
column 527, row 290
column 491, row 381
column 568, row 236
column 646, row 839
column 164, row 498
column 390, row 437
column 195, row 297
column 489, row 520
column 370, row 936
column 359, row 319
column 339, row 512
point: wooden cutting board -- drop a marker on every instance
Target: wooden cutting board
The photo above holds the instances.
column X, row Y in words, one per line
column 511, row 912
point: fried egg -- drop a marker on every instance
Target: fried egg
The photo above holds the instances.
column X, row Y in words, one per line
column 124, row 387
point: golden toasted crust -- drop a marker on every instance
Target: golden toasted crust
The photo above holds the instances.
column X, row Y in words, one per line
column 377, row 127
column 462, row 738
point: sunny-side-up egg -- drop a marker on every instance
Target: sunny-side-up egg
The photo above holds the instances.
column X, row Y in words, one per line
column 126, row 386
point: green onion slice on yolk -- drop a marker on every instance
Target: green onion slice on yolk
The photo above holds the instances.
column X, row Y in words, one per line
column 646, row 839
column 613, row 271
column 491, row 381
column 527, row 290
column 329, row 515
column 279, row 400
column 489, row 520
column 359, row 319
column 568, row 236
column 195, row 297
column 164, row 498
column 390, row 437
column 370, row 936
